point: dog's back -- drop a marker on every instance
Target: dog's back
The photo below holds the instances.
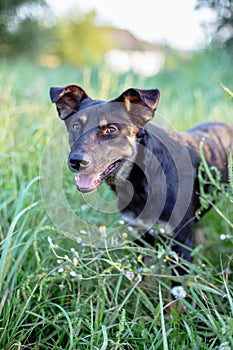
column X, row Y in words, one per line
column 217, row 141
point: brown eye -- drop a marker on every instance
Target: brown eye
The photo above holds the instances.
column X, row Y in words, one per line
column 75, row 126
column 110, row 129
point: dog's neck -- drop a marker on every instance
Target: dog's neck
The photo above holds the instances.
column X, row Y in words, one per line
column 149, row 173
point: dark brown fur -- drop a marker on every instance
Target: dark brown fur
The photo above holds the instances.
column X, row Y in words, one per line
column 153, row 171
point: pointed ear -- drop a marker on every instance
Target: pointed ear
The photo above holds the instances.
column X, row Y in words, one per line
column 67, row 99
column 135, row 100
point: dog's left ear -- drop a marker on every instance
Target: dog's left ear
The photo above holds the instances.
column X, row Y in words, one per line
column 136, row 99
column 67, row 99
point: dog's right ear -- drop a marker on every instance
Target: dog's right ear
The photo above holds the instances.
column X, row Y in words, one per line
column 135, row 99
column 67, row 99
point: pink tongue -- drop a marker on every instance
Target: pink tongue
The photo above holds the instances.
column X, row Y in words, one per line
column 87, row 182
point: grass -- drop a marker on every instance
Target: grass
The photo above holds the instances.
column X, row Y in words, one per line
column 59, row 292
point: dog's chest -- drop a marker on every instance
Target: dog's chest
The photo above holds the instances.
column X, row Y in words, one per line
column 131, row 200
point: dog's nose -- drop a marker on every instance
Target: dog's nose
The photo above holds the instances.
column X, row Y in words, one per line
column 78, row 160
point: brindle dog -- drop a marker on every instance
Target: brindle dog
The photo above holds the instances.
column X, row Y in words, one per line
column 153, row 171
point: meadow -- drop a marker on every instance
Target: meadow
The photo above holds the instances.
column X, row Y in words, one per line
column 59, row 292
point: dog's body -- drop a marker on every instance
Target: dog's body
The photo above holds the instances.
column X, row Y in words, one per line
column 154, row 172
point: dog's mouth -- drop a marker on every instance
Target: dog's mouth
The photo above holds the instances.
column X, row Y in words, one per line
column 89, row 182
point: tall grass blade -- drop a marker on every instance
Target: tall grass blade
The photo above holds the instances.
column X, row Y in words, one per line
column 164, row 335
column 4, row 260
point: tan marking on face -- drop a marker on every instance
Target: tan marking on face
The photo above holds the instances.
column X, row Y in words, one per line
column 83, row 119
column 103, row 123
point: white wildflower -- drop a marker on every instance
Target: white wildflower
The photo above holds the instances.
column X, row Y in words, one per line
column 129, row 274
column 162, row 230
column 75, row 261
column 73, row 273
column 139, row 277
column 224, row 346
column 178, row 292
column 76, row 275
column 102, row 229
column 61, row 270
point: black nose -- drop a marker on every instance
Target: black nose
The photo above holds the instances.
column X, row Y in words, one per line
column 78, row 160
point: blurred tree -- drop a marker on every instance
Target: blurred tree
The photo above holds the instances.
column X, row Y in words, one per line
column 223, row 25
column 22, row 26
column 79, row 40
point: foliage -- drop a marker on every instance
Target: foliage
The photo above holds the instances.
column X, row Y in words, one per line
column 58, row 293
column 22, row 28
column 29, row 27
column 223, row 25
column 79, row 40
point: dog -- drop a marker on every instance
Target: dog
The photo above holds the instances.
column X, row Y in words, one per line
column 153, row 171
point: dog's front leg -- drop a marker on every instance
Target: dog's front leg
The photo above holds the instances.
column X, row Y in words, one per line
column 185, row 253
column 182, row 244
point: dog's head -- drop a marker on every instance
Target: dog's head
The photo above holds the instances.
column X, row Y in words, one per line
column 103, row 134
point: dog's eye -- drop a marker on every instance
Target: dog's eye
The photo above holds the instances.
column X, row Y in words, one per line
column 75, row 126
column 110, row 129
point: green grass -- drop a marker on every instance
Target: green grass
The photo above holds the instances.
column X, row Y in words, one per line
column 56, row 291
